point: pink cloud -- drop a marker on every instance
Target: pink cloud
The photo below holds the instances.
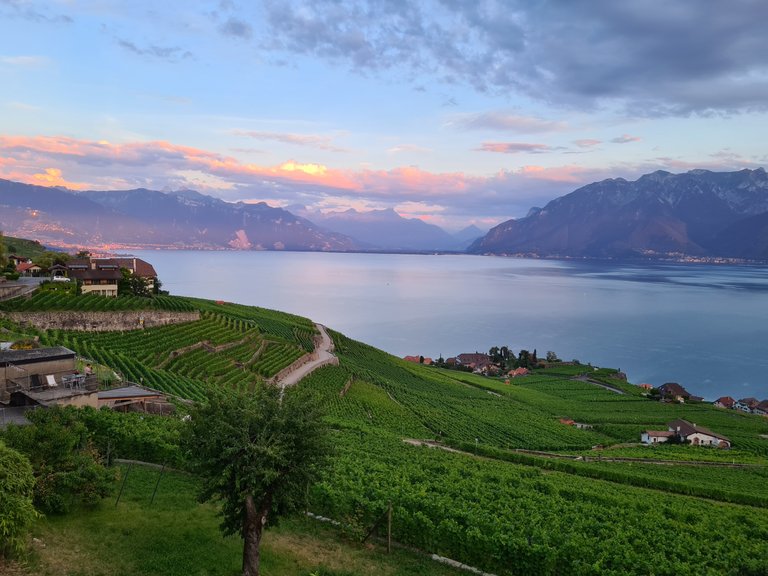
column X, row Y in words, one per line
column 310, row 140
column 507, row 122
column 513, row 147
column 587, row 142
column 625, row 139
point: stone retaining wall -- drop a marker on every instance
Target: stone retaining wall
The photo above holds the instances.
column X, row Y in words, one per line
column 100, row 321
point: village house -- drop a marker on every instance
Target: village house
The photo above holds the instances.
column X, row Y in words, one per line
column 139, row 268
column 28, row 269
column 761, row 409
column 725, row 402
column 686, row 432
column 477, row 361
column 16, row 260
column 418, row 359
column 746, row 404
column 655, row 436
column 96, row 275
column 645, row 386
column 673, row 391
column 517, row 372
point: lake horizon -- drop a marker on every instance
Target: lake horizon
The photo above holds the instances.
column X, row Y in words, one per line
column 702, row 325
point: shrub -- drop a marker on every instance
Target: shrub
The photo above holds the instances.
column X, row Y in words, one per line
column 16, row 509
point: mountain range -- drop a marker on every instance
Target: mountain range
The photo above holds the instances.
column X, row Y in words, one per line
column 698, row 214
column 695, row 214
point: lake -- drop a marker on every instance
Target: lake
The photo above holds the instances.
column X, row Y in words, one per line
column 704, row 326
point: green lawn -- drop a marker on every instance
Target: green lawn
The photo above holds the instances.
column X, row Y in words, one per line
column 176, row 535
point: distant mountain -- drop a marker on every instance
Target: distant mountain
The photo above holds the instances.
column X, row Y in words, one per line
column 150, row 218
column 466, row 236
column 387, row 230
column 699, row 213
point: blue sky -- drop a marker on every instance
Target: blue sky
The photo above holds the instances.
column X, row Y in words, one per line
column 455, row 112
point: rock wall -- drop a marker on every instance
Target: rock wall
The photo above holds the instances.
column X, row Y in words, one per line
column 100, row 321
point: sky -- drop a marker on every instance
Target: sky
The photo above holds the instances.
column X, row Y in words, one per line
column 456, row 112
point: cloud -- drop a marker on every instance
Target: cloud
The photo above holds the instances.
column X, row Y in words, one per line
column 53, row 177
column 162, row 165
column 310, row 140
column 25, row 61
column 407, row 148
column 507, row 122
column 30, row 11
column 514, row 147
column 625, row 139
column 169, row 53
column 237, row 28
column 587, row 142
column 644, row 57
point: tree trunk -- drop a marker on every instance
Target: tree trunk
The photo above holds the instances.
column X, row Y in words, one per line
column 253, row 527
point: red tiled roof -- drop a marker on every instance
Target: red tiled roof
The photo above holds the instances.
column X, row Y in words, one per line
column 726, row 401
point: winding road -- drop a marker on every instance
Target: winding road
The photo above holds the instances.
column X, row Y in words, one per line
column 322, row 356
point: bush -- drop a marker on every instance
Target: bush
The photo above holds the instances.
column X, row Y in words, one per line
column 66, row 466
column 16, row 509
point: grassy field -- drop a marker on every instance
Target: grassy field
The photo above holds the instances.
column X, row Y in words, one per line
column 177, row 536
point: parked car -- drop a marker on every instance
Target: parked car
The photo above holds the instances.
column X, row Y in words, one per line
column 60, row 279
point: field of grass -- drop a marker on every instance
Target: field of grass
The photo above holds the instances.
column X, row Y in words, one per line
column 175, row 535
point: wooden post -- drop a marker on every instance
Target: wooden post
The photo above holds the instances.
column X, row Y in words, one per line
column 389, row 527
column 123, row 484
column 159, row 476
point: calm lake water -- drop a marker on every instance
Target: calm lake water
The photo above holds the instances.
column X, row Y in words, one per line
column 703, row 326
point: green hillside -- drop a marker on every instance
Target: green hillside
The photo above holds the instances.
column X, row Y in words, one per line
column 478, row 470
column 23, row 247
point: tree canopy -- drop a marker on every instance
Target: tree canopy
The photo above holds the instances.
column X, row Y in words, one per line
column 257, row 452
column 67, row 468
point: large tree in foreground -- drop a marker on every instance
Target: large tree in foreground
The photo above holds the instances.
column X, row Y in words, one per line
column 257, row 452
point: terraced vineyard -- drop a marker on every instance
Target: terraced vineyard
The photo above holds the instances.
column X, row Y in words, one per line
column 230, row 346
column 47, row 301
column 492, row 502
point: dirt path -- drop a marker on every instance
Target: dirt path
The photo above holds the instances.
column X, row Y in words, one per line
column 322, row 356
column 596, row 383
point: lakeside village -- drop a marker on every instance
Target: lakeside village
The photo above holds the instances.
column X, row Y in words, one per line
column 31, row 376
column 501, row 363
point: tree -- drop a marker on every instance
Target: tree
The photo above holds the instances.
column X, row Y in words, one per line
column 552, row 357
column 132, row 285
column 3, row 256
column 257, row 452
column 524, row 359
column 16, row 509
column 66, row 466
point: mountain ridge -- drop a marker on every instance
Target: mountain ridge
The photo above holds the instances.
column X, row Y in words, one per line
column 694, row 214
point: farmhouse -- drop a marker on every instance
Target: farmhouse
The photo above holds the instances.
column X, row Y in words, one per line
column 673, row 391
column 746, row 404
column 687, row 432
column 655, row 436
column 98, row 276
column 28, row 269
column 518, row 372
column 725, row 402
column 477, row 361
